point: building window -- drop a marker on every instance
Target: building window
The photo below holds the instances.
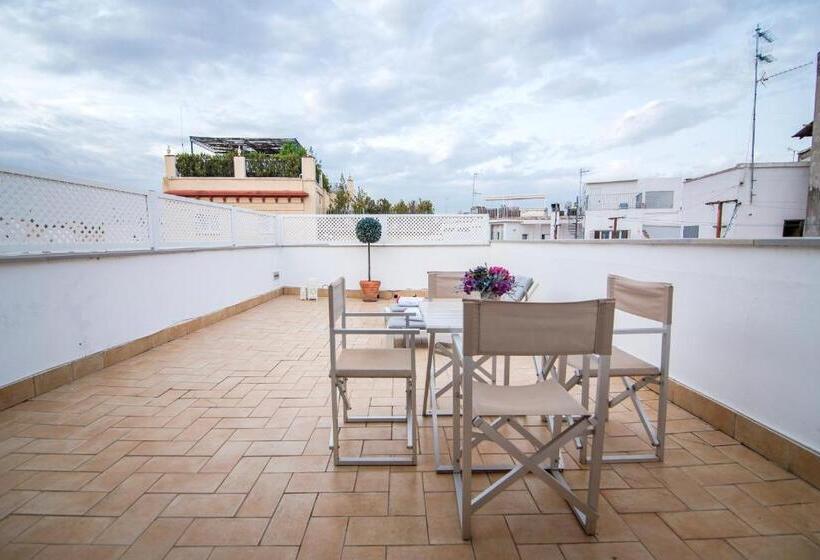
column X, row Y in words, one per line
column 524, row 236
column 793, row 228
column 609, row 234
column 691, row 232
column 543, row 236
column 659, row 199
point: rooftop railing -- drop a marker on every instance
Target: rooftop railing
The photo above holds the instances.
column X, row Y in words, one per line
column 41, row 216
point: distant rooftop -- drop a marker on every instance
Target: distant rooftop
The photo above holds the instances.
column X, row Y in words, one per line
column 227, row 145
column 804, row 132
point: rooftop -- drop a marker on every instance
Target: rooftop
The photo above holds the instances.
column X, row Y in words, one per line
column 217, row 441
column 227, row 145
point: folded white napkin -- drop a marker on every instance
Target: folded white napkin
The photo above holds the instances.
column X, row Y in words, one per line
column 410, row 301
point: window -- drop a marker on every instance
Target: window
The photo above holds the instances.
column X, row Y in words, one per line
column 659, row 199
column 524, row 236
column 543, row 236
column 793, row 228
column 609, row 234
column 691, row 232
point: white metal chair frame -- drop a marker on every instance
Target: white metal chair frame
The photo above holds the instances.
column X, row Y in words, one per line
column 649, row 300
column 338, row 380
column 597, row 317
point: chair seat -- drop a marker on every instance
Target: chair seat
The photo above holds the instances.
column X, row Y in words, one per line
column 546, row 398
column 374, row 362
column 621, row 364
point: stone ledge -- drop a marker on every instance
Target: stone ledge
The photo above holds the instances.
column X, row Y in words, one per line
column 45, row 381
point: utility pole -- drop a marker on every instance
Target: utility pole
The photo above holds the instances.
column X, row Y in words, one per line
column 475, row 178
column 580, row 196
column 719, row 221
column 759, row 57
column 811, row 227
column 615, row 225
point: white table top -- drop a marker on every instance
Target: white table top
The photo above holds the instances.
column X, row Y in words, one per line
column 443, row 315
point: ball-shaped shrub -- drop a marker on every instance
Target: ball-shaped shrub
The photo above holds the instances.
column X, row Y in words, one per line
column 368, row 230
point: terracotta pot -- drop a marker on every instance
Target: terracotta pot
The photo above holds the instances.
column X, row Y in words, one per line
column 370, row 289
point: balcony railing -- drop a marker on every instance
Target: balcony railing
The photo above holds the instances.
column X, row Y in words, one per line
column 49, row 216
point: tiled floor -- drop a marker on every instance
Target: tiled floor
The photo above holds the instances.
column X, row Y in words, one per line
column 215, row 446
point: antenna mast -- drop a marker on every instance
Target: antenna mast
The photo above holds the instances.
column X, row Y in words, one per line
column 766, row 58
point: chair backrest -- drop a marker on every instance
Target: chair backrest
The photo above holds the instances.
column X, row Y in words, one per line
column 445, row 284
column 336, row 301
column 520, row 290
column 650, row 300
column 530, row 329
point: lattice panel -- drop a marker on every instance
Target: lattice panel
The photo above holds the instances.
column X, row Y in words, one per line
column 44, row 215
column 188, row 222
column 250, row 228
column 432, row 229
column 397, row 229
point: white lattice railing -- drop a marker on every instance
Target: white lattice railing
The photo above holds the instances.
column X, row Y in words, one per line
column 397, row 229
column 50, row 216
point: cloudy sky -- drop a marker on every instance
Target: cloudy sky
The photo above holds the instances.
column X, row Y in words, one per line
column 411, row 98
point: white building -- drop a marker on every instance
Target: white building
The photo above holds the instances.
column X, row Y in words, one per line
column 640, row 208
column 670, row 208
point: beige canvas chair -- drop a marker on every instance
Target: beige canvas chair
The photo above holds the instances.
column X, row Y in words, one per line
column 649, row 300
column 373, row 363
column 448, row 285
column 507, row 329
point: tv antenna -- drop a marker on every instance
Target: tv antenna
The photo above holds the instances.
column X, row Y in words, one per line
column 760, row 57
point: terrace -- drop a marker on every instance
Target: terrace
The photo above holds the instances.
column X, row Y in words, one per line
column 166, row 394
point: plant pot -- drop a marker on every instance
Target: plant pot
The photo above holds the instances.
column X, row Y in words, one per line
column 370, row 289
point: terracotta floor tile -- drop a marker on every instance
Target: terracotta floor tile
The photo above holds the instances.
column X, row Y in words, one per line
column 204, row 505
column 804, row 517
column 188, row 483
column 373, row 481
column 492, row 539
column 86, row 552
column 191, row 553
column 364, row 553
column 306, row 463
column 762, row 519
column 121, row 498
column 712, row 475
column 714, row 549
column 288, row 524
column 224, row 532
column 546, row 529
column 13, row 525
column 351, row 504
column 658, row 538
column 243, row 476
column 135, row 520
column 605, row 551
column 17, row 551
column 396, row 530
column 54, row 462
column 431, row 552
column 706, row 524
column 173, row 464
column 324, row 539
column 641, row 500
column 61, row 503
column 322, row 482
column 540, row 552
column 264, row 496
column 253, row 553
column 157, row 540
column 794, row 547
column 14, row 499
column 781, row 492
column 65, row 530
column 686, row 488
column 406, row 494
column 56, row 481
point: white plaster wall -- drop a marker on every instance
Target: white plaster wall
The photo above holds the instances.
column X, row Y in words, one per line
column 55, row 311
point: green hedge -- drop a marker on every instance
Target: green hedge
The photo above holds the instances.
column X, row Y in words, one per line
column 270, row 165
column 203, row 165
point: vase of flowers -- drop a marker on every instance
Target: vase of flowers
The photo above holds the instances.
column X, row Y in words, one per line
column 490, row 282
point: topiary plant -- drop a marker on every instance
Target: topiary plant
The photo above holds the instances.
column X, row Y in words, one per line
column 368, row 230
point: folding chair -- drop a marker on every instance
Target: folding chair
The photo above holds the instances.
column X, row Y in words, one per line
column 372, row 363
column 530, row 329
column 523, row 289
column 447, row 285
column 649, row 300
